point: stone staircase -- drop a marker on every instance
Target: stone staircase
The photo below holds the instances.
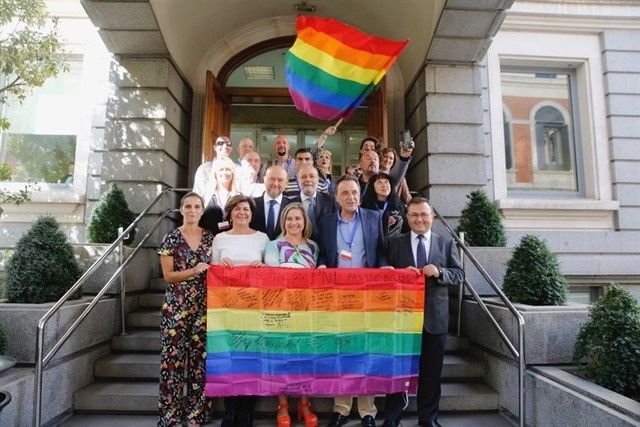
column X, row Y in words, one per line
column 126, row 381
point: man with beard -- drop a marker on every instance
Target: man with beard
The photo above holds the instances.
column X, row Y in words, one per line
column 282, row 158
column 316, row 203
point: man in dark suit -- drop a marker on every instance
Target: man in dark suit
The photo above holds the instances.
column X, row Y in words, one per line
column 351, row 238
column 436, row 257
column 316, row 203
column 269, row 205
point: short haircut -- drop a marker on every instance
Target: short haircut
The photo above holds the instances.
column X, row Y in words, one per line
column 235, row 201
column 302, row 150
column 347, row 177
column 387, row 150
column 375, row 141
column 418, row 200
column 306, row 231
column 191, row 194
column 309, row 167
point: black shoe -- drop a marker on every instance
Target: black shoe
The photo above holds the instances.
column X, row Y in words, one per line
column 391, row 423
column 368, row 421
column 229, row 420
column 244, row 420
column 337, row 420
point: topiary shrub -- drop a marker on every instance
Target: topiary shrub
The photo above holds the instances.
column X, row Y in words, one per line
column 610, row 343
column 3, row 342
column 533, row 274
column 43, row 267
column 111, row 212
column 481, row 222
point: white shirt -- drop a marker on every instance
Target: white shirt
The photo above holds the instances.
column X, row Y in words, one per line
column 414, row 245
column 276, row 207
column 241, row 249
column 304, row 197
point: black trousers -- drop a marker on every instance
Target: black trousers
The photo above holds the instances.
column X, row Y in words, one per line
column 240, row 408
column 431, row 358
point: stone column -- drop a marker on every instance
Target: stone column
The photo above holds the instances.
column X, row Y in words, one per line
column 146, row 136
column 444, row 110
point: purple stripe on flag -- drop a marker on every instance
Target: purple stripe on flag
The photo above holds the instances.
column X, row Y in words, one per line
column 318, row 385
column 319, row 111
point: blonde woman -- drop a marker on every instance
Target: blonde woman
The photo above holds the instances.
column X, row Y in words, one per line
column 223, row 184
column 293, row 248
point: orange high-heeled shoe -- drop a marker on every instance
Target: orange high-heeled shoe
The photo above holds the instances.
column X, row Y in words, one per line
column 283, row 420
column 304, row 411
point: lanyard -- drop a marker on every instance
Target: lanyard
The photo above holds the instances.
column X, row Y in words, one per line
column 352, row 234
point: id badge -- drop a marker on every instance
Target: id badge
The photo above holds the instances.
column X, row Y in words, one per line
column 345, row 255
column 224, row 225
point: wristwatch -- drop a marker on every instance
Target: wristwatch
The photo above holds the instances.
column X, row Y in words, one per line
column 439, row 273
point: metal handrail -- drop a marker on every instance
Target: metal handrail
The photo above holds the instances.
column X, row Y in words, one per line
column 41, row 361
column 517, row 353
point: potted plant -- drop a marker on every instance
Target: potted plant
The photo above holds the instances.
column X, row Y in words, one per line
column 609, row 343
column 482, row 225
column 111, row 212
column 534, row 283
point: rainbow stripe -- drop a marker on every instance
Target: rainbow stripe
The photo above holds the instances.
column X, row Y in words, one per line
column 319, row 332
column 332, row 67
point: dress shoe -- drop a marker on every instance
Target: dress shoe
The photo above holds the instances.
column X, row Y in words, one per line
column 391, row 423
column 229, row 420
column 337, row 420
column 368, row 421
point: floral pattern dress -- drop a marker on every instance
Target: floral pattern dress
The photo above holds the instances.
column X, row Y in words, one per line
column 183, row 334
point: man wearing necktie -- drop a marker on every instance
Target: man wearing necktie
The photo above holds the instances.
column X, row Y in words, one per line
column 316, row 203
column 436, row 258
column 268, row 206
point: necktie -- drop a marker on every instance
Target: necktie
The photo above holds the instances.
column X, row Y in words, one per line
column 271, row 221
column 310, row 204
column 421, row 253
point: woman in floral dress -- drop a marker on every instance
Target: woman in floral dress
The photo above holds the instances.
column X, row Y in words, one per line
column 184, row 257
column 293, row 248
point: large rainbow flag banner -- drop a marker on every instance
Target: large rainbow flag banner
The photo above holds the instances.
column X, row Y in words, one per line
column 332, row 67
column 326, row 332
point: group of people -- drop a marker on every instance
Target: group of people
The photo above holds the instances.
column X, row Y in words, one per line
column 293, row 213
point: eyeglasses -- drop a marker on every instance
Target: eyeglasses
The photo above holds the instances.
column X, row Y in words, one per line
column 419, row 215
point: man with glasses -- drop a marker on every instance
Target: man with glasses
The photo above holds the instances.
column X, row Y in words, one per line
column 436, row 258
column 223, row 148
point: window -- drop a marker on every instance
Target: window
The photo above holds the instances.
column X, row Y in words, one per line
column 540, row 149
column 40, row 145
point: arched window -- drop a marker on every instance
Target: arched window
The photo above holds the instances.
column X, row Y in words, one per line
column 552, row 140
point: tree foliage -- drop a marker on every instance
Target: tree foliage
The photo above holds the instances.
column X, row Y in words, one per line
column 111, row 212
column 481, row 222
column 43, row 266
column 533, row 274
column 30, row 49
column 610, row 342
column 16, row 197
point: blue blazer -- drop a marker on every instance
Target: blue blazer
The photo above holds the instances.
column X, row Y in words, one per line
column 259, row 220
column 374, row 240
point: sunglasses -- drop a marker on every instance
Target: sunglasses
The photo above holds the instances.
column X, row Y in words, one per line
column 221, row 143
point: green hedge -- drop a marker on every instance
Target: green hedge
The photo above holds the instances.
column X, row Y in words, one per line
column 481, row 222
column 43, row 266
column 533, row 274
column 610, row 343
column 111, row 212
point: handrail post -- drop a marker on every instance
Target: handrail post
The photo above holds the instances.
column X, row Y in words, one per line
column 37, row 401
column 460, row 288
column 521, row 368
column 123, row 292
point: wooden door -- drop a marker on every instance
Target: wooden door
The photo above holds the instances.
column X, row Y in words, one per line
column 216, row 115
column 377, row 114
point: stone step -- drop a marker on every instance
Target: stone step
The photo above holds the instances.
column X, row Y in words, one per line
column 128, row 365
column 138, row 340
column 142, row 397
column 146, row 366
column 157, row 284
column 144, row 319
column 151, row 300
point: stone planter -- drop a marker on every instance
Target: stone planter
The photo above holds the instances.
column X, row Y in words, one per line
column 550, row 331
column 494, row 261
column 136, row 275
column 20, row 321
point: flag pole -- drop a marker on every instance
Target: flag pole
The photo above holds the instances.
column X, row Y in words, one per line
column 338, row 123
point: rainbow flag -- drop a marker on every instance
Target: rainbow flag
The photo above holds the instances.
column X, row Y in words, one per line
column 326, row 332
column 332, row 67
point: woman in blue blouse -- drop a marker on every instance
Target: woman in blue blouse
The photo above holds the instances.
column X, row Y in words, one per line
column 293, row 248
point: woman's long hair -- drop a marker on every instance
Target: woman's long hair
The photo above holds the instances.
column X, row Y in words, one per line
column 218, row 164
column 395, row 208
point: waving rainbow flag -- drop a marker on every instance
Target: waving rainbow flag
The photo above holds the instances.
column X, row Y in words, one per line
column 321, row 332
column 332, row 67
